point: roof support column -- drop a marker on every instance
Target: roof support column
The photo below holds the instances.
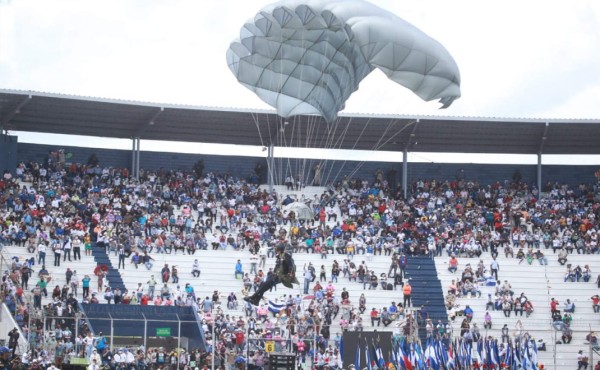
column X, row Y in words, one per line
column 135, row 158
column 409, row 142
column 539, row 174
column 270, row 166
column 539, row 160
column 405, row 173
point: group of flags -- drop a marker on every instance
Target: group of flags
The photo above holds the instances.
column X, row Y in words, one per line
column 444, row 354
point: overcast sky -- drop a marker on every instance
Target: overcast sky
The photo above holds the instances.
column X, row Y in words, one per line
column 534, row 58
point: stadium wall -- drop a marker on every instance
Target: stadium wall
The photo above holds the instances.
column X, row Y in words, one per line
column 244, row 166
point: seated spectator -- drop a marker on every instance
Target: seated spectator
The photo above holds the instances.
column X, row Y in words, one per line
column 556, row 316
column 578, row 273
column 567, row 334
column 539, row 255
column 386, row 318
column 136, row 259
column 586, row 274
column 375, row 317
column 592, row 339
column 487, row 321
column 506, row 307
column 528, row 307
column 450, row 300
column 520, row 255
column 596, row 303
column 232, row 303
column 567, row 318
column 453, row 264
column 490, row 303
column 562, row 257
column 469, row 288
column 506, row 288
column 569, row 306
column 468, row 311
column 452, row 287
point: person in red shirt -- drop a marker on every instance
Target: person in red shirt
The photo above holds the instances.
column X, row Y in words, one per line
column 553, row 305
column 375, row 317
column 596, row 302
column 453, row 264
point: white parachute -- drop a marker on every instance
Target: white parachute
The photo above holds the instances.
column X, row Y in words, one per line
column 306, row 57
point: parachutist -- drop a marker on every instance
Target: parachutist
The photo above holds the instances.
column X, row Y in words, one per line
column 285, row 273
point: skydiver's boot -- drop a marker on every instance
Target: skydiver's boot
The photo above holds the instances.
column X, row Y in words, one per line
column 255, row 298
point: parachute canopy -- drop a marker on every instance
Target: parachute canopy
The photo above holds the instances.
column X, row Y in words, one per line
column 309, row 56
column 301, row 210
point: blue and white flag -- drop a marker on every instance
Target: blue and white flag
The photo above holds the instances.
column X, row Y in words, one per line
column 276, row 307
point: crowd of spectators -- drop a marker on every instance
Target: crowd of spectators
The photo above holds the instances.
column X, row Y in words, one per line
column 70, row 207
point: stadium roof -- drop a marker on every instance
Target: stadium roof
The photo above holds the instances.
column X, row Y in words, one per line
column 73, row 115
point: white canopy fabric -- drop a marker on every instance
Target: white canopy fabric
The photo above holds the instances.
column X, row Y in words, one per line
column 309, row 56
column 301, row 210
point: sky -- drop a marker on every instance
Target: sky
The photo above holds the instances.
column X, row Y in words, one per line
column 517, row 59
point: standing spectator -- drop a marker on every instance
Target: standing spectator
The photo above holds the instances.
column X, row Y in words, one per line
column 76, row 244
column 308, row 278
column 151, row 286
column 407, row 291
column 86, row 285
column 121, row 253
column 494, row 268
column 402, row 263
column 57, row 248
column 67, row 246
column 165, row 273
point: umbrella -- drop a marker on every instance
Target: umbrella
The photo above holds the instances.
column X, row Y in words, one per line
column 301, row 210
column 99, row 269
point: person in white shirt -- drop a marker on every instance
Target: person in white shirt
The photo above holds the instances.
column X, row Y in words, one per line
column 119, row 358
column 196, row 268
column 95, row 356
column 129, row 357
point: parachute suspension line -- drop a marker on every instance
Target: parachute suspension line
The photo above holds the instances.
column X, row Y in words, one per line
column 377, row 147
column 336, row 145
column 256, row 123
column 315, row 124
column 341, row 168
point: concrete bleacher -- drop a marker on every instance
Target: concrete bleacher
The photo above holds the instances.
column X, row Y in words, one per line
column 86, row 265
column 429, row 278
column 540, row 284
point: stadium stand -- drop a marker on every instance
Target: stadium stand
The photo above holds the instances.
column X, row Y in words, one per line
column 176, row 213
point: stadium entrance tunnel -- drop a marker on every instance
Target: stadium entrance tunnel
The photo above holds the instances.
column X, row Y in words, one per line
column 151, row 326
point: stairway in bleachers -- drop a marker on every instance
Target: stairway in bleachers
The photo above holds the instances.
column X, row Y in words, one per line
column 426, row 290
column 114, row 277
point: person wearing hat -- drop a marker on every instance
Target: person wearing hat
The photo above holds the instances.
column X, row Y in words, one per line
column 285, row 273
